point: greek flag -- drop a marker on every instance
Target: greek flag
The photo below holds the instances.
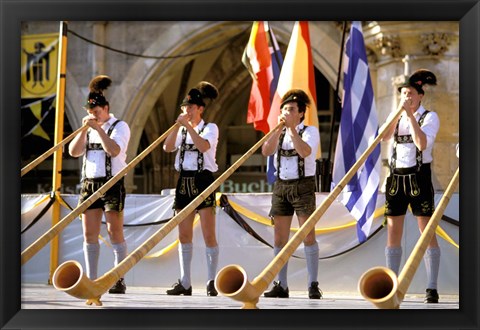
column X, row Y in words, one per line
column 358, row 129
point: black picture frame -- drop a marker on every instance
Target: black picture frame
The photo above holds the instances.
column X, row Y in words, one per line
column 467, row 12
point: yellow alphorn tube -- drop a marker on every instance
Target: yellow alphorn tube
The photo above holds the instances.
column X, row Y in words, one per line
column 70, row 278
column 229, row 281
column 50, row 151
column 380, row 285
column 30, row 251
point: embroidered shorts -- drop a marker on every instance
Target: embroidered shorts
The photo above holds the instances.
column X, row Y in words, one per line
column 112, row 200
column 405, row 188
column 291, row 196
column 190, row 184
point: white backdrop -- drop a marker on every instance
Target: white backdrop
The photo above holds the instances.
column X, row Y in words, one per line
column 336, row 274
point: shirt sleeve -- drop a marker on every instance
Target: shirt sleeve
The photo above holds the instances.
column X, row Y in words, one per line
column 178, row 139
column 210, row 133
column 430, row 127
column 121, row 135
column 312, row 137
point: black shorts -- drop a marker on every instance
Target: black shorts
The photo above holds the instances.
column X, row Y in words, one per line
column 191, row 184
column 408, row 187
column 112, row 200
column 291, row 196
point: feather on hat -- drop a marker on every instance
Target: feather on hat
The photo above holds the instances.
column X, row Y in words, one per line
column 203, row 93
column 97, row 85
column 418, row 79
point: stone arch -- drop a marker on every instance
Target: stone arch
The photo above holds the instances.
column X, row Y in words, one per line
column 156, row 76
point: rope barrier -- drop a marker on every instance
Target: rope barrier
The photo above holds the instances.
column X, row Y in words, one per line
column 222, row 44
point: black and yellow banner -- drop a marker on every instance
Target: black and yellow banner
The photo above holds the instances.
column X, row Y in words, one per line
column 39, row 56
column 36, row 112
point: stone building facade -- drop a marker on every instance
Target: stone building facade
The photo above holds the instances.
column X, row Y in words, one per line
column 153, row 64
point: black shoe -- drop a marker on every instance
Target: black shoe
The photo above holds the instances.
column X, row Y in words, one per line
column 211, row 291
column 178, row 289
column 277, row 291
column 119, row 287
column 314, row 292
column 431, row 296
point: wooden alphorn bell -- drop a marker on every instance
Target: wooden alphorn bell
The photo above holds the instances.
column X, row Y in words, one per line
column 231, row 281
column 380, row 285
column 30, row 251
column 50, row 151
column 70, row 277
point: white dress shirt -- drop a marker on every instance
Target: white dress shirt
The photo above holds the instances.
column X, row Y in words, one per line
column 95, row 159
column 407, row 152
column 289, row 165
column 190, row 160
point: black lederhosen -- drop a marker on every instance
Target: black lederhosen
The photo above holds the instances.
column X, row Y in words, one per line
column 112, row 200
column 293, row 195
column 191, row 184
column 408, row 187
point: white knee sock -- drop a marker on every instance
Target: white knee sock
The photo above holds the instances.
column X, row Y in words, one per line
column 185, row 252
column 119, row 252
column 282, row 274
column 432, row 264
column 394, row 257
column 311, row 255
column 91, row 252
column 212, row 262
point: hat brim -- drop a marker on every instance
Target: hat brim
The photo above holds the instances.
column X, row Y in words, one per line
column 298, row 102
column 93, row 105
column 191, row 103
column 418, row 88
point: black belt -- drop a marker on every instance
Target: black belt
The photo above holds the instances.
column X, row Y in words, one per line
column 305, row 178
column 410, row 170
column 100, row 179
column 193, row 173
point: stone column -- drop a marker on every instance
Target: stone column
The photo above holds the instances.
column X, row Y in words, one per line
column 98, row 53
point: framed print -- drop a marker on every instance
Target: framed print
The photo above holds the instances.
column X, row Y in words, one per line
column 16, row 15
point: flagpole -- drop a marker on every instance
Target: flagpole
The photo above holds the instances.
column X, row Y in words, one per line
column 57, row 156
column 270, row 167
column 326, row 166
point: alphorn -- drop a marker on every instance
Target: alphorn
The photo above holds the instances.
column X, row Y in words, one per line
column 30, row 251
column 70, row 277
column 380, row 285
column 231, row 281
column 50, row 151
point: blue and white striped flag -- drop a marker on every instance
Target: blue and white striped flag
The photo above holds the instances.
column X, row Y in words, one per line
column 358, row 129
column 277, row 62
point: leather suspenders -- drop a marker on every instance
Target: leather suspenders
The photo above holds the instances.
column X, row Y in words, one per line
column 290, row 153
column 98, row 146
column 406, row 139
column 190, row 147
